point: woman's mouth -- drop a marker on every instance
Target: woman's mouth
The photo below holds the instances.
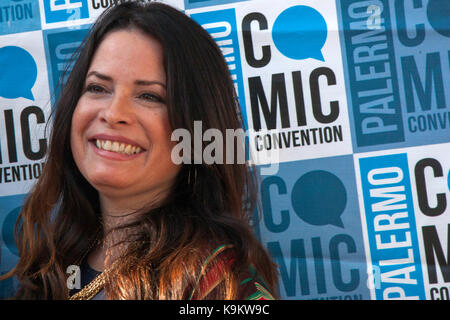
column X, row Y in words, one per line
column 118, row 147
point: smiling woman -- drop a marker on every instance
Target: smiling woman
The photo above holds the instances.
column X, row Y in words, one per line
column 124, row 109
column 111, row 203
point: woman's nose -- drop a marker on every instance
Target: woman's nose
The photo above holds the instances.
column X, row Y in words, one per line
column 118, row 111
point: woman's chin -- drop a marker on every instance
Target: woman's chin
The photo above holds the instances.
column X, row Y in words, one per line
column 110, row 185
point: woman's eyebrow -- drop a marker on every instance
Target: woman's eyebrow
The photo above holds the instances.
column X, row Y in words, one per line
column 137, row 82
column 149, row 83
column 99, row 75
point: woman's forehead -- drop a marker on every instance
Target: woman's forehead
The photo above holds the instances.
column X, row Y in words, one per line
column 129, row 52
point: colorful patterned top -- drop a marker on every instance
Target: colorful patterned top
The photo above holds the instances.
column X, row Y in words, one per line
column 251, row 286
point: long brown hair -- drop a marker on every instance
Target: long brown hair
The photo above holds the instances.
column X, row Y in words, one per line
column 208, row 204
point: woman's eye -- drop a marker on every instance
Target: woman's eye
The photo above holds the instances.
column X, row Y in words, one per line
column 151, row 97
column 93, row 88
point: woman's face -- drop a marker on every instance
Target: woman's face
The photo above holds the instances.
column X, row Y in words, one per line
column 120, row 134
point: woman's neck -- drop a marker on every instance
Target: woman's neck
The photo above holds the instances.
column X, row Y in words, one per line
column 116, row 213
column 114, row 242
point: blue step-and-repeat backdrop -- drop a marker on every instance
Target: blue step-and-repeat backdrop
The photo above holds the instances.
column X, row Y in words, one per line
column 348, row 107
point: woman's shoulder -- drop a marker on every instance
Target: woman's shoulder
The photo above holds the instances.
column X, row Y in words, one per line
column 215, row 276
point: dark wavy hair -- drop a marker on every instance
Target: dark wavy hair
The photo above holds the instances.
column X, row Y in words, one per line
column 170, row 242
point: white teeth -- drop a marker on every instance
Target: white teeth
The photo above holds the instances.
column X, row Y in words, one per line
column 116, row 146
column 107, row 145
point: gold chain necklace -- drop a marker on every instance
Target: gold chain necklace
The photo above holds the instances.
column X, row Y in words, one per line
column 90, row 290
